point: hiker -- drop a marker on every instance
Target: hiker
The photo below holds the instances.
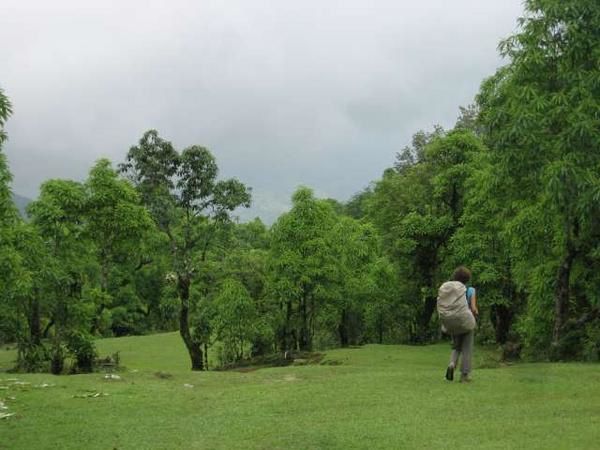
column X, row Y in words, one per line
column 457, row 308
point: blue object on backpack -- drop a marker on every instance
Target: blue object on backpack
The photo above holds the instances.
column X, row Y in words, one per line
column 470, row 292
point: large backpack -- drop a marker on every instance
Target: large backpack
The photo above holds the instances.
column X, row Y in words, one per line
column 454, row 313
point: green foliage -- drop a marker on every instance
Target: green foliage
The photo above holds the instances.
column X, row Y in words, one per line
column 357, row 206
column 117, row 226
column 386, row 314
column 355, row 247
column 591, row 346
column 540, row 115
column 302, row 268
column 81, row 347
column 236, row 321
column 513, row 191
column 32, row 357
column 418, row 208
column 5, row 112
column 191, row 207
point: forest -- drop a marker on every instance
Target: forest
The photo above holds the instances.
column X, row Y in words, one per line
column 150, row 243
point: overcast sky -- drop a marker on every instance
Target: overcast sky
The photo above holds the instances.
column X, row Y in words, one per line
column 284, row 93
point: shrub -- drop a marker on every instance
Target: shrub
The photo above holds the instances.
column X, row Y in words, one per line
column 81, row 346
column 57, row 358
column 591, row 346
column 32, row 358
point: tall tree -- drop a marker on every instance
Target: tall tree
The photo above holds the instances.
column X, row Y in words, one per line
column 481, row 242
column 417, row 207
column 189, row 205
column 236, row 321
column 541, row 117
column 116, row 223
column 58, row 217
column 302, row 267
column 8, row 211
column 10, row 259
column 355, row 248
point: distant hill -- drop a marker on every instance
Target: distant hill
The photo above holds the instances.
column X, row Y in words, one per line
column 21, row 203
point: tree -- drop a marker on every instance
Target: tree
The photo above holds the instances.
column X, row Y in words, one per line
column 189, row 205
column 417, row 208
column 357, row 206
column 540, row 115
column 355, row 247
column 8, row 211
column 12, row 279
column 386, row 313
column 5, row 112
column 116, row 224
column 58, row 217
column 302, row 268
column 481, row 242
column 236, row 321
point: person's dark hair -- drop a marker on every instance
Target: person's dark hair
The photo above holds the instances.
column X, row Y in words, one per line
column 462, row 274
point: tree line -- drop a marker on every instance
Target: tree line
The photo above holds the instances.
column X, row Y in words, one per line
column 512, row 191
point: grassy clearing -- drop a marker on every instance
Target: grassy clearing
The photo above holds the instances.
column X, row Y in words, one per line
column 378, row 397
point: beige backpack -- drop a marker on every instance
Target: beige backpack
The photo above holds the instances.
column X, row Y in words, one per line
column 454, row 313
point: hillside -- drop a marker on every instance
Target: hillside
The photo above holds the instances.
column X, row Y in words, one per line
column 370, row 397
column 21, row 203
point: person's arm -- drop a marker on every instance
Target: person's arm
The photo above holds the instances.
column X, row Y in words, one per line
column 474, row 309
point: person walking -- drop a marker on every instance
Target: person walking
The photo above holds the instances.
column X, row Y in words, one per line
column 457, row 309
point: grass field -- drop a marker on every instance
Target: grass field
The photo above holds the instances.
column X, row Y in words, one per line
column 373, row 397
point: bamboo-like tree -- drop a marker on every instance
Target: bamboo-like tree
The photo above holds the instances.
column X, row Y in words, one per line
column 541, row 121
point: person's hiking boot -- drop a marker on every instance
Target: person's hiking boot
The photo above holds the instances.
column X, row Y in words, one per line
column 465, row 378
column 450, row 373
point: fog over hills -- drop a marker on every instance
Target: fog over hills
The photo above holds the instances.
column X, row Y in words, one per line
column 21, row 203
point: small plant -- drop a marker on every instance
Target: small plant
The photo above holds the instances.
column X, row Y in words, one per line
column 109, row 363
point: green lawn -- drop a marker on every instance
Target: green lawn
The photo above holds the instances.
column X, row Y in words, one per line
column 378, row 397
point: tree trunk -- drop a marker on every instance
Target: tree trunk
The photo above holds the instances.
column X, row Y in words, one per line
column 194, row 349
column 425, row 318
column 427, row 263
column 35, row 328
column 304, row 343
column 206, row 356
column 343, row 329
column 561, row 293
column 502, row 319
column 285, row 335
column 47, row 329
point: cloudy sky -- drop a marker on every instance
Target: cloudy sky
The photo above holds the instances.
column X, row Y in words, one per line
column 320, row 93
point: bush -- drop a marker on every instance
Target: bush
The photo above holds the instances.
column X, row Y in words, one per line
column 32, row 358
column 569, row 347
column 591, row 346
column 9, row 325
column 81, row 346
